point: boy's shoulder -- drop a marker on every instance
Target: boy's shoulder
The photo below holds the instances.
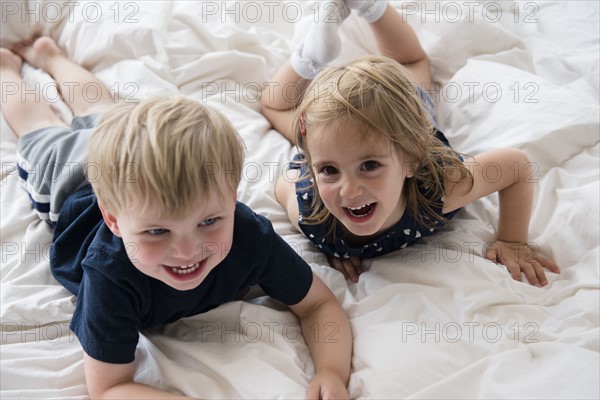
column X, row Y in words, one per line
column 267, row 258
column 78, row 221
column 250, row 227
column 80, row 224
column 78, row 201
column 82, row 238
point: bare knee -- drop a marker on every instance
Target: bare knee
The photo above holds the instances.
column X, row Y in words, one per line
column 22, row 127
column 97, row 108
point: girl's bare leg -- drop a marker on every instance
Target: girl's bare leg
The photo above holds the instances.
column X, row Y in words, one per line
column 397, row 40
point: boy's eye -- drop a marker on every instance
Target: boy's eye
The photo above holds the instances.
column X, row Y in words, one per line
column 157, row 231
column 208, row 221
column 370, row 165
column 329, row 170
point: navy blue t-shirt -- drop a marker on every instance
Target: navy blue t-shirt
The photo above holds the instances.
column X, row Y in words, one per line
column 115, row 300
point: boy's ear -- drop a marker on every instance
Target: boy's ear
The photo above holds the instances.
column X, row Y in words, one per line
column 111, row 220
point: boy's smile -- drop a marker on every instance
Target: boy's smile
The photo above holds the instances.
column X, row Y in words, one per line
column 186, row 272
column 359, row 178
column 180, row 251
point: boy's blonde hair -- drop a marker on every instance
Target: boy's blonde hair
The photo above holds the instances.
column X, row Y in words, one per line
column 377, row 92
column 167, row 150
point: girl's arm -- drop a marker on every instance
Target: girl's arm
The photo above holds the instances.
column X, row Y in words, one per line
column 504, row 171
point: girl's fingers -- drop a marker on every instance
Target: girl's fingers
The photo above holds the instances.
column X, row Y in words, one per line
column 513, row 268
column 336, row 263
column 539, row 272
column 548, row 264
column 350, row 270
column 358, row 266
column 531, row 273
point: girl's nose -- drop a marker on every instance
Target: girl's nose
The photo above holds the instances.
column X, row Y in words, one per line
column 350, row 188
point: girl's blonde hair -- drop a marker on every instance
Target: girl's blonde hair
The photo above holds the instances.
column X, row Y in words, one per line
column 166, row 149
column 376, row 92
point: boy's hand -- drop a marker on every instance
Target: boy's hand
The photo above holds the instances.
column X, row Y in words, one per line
column 327, row 385
column 350, row 267
column 521, row 257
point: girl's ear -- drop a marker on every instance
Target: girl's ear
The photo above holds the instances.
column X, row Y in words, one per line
column 111, row 220
column 409, row 169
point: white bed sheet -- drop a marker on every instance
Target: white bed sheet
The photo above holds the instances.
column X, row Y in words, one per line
column 433, row 321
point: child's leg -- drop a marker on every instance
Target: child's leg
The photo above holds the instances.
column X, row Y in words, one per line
column 394, row 37
column 279, row 99
column 81, row 90
column 397, row 40
column 321, row 45
column 23, row 110
column 321, row 42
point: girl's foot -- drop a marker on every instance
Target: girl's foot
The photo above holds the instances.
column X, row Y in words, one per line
column 10, row 60
column 321, row 43
column 370, row 10
column 38, row 51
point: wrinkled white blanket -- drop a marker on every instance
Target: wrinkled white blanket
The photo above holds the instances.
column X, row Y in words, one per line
column 434, row 321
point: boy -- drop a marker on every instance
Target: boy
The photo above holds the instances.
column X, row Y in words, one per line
column 147, row 227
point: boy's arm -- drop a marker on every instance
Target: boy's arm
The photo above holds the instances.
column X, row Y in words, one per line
column 507, row 172
column 115, row 381
column 327, row 332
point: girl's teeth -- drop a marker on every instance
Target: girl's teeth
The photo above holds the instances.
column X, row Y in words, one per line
column 360, row 211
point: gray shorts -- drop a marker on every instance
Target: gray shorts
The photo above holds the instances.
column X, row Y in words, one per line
column 51, row 164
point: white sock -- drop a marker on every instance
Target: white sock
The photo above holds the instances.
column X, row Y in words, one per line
column 321, row 43
column 370, row 10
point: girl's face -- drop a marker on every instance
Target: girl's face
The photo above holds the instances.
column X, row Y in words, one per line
column 180, row 252
column 359, row 177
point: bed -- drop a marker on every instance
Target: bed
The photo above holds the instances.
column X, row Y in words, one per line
column 432, row 321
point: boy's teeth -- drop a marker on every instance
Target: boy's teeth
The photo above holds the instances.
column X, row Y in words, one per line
column 186, row 269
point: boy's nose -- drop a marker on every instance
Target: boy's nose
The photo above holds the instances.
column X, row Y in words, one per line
column 186, row 249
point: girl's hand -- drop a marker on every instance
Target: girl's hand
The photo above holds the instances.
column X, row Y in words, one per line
column 327, row 385
column 350, row 267
column 520, row 258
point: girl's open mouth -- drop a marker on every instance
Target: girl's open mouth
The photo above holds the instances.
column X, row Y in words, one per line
column 360, row 213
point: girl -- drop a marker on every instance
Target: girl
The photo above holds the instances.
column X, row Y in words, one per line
column 375, row 173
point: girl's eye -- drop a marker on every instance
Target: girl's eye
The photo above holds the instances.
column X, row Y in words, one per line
column 329, row 170
column 208, row 221
column 370, row 165
column 157, row 231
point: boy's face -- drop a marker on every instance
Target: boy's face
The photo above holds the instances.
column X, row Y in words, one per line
column 180, row 252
